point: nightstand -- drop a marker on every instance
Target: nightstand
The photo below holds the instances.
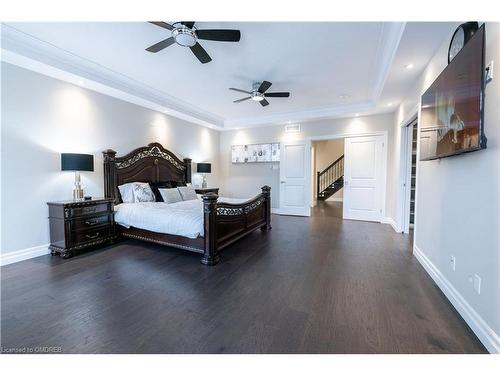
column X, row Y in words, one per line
column 78, row 225
column 207, row 190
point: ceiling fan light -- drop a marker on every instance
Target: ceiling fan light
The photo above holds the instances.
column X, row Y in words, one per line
column 257, row 98
column 184, row 36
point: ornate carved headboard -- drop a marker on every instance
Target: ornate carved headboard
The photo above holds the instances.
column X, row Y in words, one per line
column 151, row 163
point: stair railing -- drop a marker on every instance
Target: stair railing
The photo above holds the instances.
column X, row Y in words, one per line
column 329, row 175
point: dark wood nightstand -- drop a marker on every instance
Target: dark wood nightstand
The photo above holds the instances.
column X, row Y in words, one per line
column 207, row 190
column 77, row 225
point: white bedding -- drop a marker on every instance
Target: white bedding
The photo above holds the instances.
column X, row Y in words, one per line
column 181, row 218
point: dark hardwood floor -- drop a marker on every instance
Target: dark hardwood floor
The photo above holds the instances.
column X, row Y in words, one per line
column 311, row 285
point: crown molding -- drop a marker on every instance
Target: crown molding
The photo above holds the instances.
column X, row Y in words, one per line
column 306, row 115
column 26, row 51
column 390, row 37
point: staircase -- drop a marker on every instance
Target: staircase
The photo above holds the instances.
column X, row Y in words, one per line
column 330, row 180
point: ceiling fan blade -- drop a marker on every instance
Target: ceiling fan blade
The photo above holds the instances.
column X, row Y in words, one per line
column 162, row 24
column 241, row 100
column 277, row 95
column 200, row 53
column 264, row 102
column 239, row 90
column 264, row 86
column 219, row 35
column 189, row 24
column 161, row 45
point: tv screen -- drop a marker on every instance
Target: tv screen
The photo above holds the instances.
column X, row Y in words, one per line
column 451, row 109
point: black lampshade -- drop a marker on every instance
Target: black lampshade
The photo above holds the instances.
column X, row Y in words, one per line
column 77, row 162
column 204, row 168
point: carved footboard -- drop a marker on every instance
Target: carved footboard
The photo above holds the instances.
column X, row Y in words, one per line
column 226, row 223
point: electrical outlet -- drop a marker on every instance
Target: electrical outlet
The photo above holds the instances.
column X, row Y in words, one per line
column 477, row 284
column 489, row 72
column 453, row 262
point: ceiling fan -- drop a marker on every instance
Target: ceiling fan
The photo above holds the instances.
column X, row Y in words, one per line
column 186, row 34
column 259, row 93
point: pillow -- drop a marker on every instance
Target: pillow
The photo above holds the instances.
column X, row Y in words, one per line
column 127, row 192
column 170, row 195
column 163, row 185
column 187, row 193
column 142, row 192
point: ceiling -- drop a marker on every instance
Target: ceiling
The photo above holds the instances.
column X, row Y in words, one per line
column 331, row 69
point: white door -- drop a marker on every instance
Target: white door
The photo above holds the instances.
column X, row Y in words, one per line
column 364, row 176
column 295, row 159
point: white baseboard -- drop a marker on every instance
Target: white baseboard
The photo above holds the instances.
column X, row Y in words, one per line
column 23, row 254
column 489, row 338
column 391, row 222
column 275, row 211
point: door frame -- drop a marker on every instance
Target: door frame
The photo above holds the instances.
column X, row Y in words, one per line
column 405, row 173
column 406, row 156
column 383, row 133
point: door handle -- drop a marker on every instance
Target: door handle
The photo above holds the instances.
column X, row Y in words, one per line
column 282, row 182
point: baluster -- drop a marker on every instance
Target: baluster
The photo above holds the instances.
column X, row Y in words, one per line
column 317, row 184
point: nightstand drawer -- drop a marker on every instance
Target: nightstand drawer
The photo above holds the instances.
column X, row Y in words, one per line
column 90, row 235
column 86, row 223
column 87, row 210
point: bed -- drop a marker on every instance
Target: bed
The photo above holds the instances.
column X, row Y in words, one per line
column 221, row 222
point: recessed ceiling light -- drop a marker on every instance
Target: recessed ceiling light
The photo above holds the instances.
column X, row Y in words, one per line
column 409, row 66
column 389, row 104
column 357, row 115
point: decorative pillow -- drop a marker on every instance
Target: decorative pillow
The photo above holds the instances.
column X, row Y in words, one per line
column 170, row 195
column 127, row 192
column 187, row 193
column 143, row 192
column 161, row 185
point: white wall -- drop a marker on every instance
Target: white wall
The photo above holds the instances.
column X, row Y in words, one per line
column 458, row 208
column 244, row 180
column 42, row 117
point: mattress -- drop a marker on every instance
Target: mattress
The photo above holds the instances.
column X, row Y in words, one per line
column 181, row 218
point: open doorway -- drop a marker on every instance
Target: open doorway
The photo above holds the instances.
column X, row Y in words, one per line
column 410, row 176
column 327, row 166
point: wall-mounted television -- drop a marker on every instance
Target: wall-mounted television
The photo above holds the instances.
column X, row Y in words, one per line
column 451, row 119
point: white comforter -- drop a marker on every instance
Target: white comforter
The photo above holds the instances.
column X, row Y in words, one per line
column 182, row 218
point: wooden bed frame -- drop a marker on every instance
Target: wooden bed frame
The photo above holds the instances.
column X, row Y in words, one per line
column 224, row 223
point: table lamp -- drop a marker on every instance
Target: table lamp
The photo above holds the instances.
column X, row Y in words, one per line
column 204, row 168
column 77, row 163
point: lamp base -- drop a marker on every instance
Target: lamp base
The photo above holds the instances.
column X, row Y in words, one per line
column 77, row 193
column 77, row 190
column 204, row 183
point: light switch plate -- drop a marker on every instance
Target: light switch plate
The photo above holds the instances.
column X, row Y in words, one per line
column 489, row 72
